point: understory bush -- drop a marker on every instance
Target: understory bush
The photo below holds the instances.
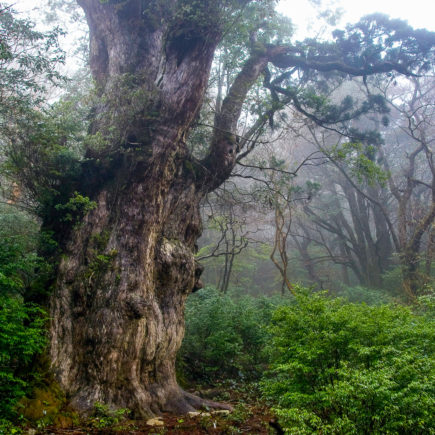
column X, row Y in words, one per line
column 22, row 325
column 370, row 296
column 224, row 337
column 344, row 368
column 22, row 336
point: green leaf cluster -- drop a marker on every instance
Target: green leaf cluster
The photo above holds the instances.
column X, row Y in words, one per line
column 76, row 207
column 104, row 417
column 22, row 331
column 42, row 156
column 224, row 338
column 360, row 160
column 28, row 61
column 22, row 336
column 349, row 368
column 40, row 142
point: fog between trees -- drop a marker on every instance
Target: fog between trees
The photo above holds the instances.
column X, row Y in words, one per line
column 352, row 214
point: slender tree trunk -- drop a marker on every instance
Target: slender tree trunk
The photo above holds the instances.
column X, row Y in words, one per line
column 384, row 245
column 280, row 244
column 412, row 279
column 430, row 251
column 228, row 274
column 344, row 267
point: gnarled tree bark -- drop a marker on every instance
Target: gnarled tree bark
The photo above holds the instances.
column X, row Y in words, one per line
column 117, row 309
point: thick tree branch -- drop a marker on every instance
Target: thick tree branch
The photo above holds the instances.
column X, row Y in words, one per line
column 223, row 151
column 327, row 64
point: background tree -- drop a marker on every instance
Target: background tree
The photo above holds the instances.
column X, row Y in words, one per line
column 414, row 188
column 228, row 234
column 370, row 220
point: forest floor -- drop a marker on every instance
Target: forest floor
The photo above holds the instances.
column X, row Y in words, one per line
column 250, row 415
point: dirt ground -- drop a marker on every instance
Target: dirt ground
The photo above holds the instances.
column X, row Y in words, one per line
column 250, row 415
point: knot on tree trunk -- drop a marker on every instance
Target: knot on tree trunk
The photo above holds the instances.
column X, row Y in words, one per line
column 137, row 306
column 176, row 265
column 199, row 268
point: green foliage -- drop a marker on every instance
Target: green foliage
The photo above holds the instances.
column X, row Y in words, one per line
column 22, row 271
column 349, row 368
column 370, row 296
column 22, row 333
column 28, row 60
column 8, row 428
column 202, row 18
column 40, row 145
column 425, row 305
column 360, row 160
column 17, row 258
column 77, row 207
column 43, row 157
column 32, row 138
column 100, row 264
column 99, row 259
column 392, row 280
column 22, row 337
column 377, row 37
column 104, row 417
column 224, row 338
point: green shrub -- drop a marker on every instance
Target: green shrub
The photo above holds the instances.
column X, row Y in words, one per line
column 18, row 235
column 105, row 417
column 22, row 336
column 393, row 281
column 22, row 333
column 349, row 368
column 8, row 428
column 224, row 338
column 370, row 296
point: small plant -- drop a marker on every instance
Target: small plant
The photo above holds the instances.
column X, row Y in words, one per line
column 104, row 416
column 240, row 414
column 76, row 207
column 8, row 428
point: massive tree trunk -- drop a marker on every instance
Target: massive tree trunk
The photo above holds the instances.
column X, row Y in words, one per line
column 126, row 270
column 117, row 310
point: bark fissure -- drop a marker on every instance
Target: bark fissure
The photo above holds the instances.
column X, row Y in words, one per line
column 117, row 310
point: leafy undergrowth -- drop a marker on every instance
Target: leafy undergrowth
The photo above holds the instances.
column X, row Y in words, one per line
column 251, row 415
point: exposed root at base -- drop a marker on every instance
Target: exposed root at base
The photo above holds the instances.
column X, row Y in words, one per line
column 199, row 403
column 176, row 402
column 185, row 402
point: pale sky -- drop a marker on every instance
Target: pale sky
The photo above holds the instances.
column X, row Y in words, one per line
column 418, row 13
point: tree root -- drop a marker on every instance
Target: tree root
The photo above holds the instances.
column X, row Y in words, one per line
column 200, row 403
column 187, row 402
column 174, row 401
